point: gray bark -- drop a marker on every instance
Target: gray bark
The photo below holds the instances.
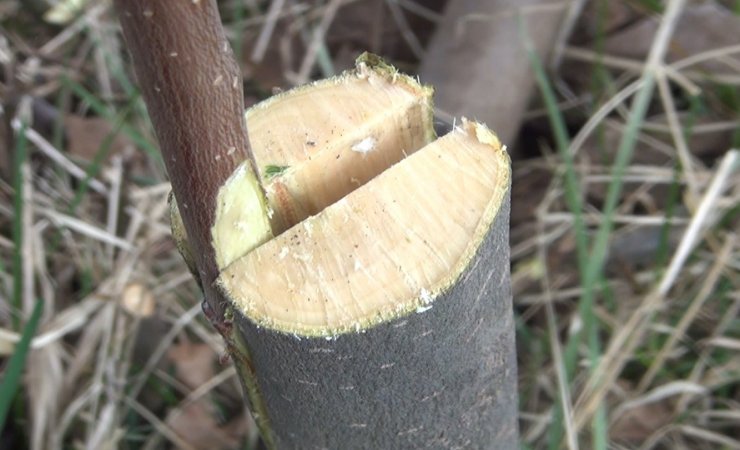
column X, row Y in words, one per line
column 443, row 378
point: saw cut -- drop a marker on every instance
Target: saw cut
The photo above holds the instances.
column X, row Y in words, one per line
column 316, row 143
column 384, row 250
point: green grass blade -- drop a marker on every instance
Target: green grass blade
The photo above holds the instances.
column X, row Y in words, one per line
column 624, row 156
column 12, row 377
column 573, row 200
column 19, row 160
column 562, row 141
column 626, row 149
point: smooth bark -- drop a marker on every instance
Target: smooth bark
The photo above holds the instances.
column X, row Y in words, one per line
column 193, row 91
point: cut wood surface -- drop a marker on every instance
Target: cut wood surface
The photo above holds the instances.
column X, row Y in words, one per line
column 383, row 251
column 318, row 142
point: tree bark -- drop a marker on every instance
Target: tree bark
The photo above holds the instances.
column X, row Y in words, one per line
column 192, row 87
column 442, row 379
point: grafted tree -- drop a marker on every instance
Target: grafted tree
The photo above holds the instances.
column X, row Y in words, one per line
column 356, row 266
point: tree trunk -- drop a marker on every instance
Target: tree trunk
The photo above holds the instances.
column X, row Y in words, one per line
column 379, row 316
column 444, row 378
column 478, row 65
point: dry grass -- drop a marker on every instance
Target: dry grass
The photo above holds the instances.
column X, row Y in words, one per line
column 123, row 359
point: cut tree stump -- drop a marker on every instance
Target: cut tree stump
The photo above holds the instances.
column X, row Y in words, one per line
column 385, row 320
column 357, row 267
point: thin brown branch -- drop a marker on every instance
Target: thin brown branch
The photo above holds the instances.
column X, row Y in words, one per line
column 193, row 92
